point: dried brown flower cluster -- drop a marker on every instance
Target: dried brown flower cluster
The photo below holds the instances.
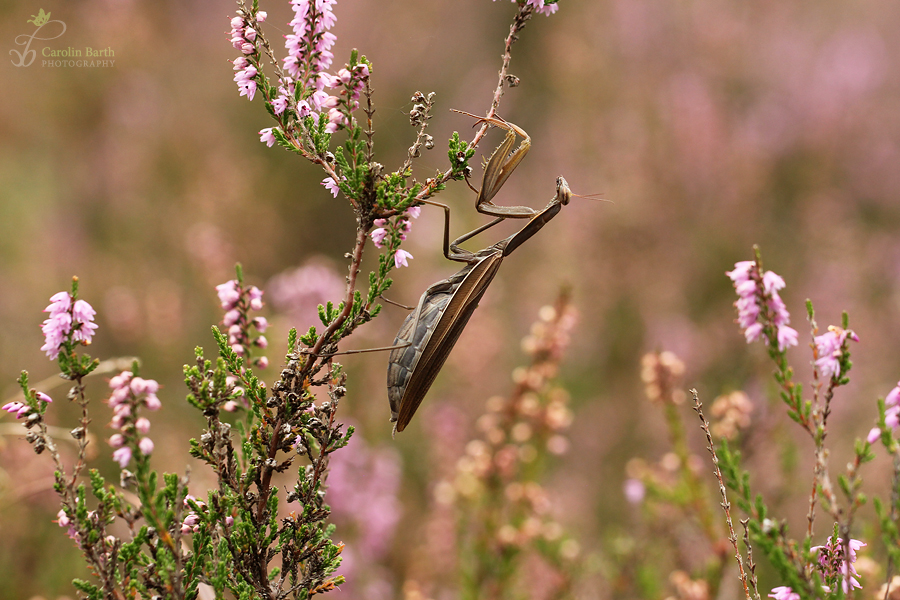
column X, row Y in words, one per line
column 731, row 414
column 661, row 373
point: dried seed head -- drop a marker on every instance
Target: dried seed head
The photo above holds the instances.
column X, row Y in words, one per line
column 77, row 433
column 512, row 81
column 419, row 97
column 429, row 142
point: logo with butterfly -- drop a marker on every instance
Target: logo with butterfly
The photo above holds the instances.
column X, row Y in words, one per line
column 45, row 30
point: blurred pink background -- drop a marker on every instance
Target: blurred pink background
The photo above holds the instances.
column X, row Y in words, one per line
column 711, row 125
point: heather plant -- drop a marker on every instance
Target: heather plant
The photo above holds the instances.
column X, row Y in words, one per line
column 150, row 537
column 819, row 564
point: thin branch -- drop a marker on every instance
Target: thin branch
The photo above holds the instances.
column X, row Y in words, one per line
column 726, row 506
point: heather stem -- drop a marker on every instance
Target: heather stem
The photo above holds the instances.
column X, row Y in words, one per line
column 726, row 506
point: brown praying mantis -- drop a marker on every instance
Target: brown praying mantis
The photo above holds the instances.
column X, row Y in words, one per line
column 429, row 333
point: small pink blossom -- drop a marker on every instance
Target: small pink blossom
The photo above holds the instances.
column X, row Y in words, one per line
column 117, row 440
column 146, row 446
column 122, row 456
column 261, row 324
column 62, row 518
column 261, row 16
column 142, row 425
column 874, row 435
column 152, row 402
column 787, row 336
column 414, row 211
column 378, row 236
column 43, row 397
column 784, row 593
column 262, row 362
column 267, row 137
column 400, row 258
column 331, row 185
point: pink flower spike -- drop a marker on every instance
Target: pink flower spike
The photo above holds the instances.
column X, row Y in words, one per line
column 43, row 397
column 267, row 137
column 122, row 456
column 331, row 185
column 146, row 446
column 400, row 258
column 787, row 337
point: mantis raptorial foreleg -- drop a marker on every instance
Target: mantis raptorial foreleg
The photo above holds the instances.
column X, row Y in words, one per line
column 499, row 167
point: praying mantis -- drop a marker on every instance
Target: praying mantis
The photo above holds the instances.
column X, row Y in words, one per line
column 429, row 333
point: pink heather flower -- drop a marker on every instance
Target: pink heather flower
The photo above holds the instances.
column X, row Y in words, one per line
column 874, row 435
column 240, row 63
column 229, row 521
column 783, row 593
column 787, row 336
column 62, row 518
column 238, row 349
column 152, row 402
column 146, row 446
column 753, row 332
column 248, row 48
column 262, row 362
column 772, row 282
column 228, row 293
column 279, row 105
column 400, row 258
column 231, row 317
column 267, row 137
column 59, row 303
column 43, row 397
column 828, row 346
column 15, row 407
column 261, row 324
column 189, row 523
column 741, row 271
column 331, row 185
column 144, row 386
column 237, row 22
column 893, row 396
column 230, row 406
column 261, row 16
column 634, row 491
column 261, row 342
column 117, row 440
column 414, row 211
column 378, row 236
column 142, row 425
column 120, row 380
column 122, row 456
